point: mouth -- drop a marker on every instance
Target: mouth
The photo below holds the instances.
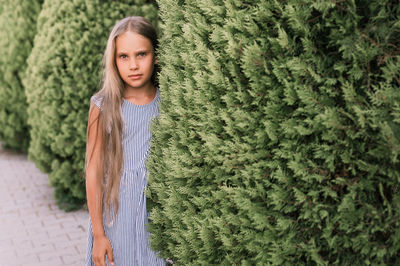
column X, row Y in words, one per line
column 134, row 76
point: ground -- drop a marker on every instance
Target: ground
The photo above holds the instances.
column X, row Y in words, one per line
column 33, row 230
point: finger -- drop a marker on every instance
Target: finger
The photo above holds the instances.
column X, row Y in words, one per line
column 103, row 262
column 96, row 261
column 110, row 256
column 99, row 261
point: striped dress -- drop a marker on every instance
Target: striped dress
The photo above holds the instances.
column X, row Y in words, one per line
column 127, row 233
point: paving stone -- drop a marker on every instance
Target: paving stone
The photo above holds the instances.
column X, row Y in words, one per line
column 32, row 259
column 49, row 256
column 70, row 260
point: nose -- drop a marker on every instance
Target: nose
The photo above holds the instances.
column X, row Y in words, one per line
column 133, row 64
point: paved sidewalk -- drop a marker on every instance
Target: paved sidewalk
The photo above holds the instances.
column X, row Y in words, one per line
column 33, row 231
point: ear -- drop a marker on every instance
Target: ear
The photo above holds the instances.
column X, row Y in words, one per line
column 155, row 60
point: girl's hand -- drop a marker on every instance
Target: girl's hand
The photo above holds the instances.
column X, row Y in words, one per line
column 101, row 247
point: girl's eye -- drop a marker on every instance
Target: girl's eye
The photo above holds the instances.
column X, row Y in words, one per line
column 123, row 56
column 142, row 54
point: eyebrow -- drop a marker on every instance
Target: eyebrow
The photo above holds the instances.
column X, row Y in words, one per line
column 136, row 52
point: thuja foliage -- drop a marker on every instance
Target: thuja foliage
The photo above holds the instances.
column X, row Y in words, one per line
column 278, row 140
column 63, row 72
column 18, row 28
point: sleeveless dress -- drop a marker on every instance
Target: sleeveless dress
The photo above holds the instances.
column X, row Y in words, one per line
column 127, row 232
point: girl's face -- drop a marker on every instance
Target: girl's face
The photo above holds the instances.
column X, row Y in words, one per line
column 134, row 57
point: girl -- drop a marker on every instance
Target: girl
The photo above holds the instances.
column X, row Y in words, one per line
column 117, row 146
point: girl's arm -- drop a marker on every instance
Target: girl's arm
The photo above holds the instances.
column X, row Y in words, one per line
column 94, row 191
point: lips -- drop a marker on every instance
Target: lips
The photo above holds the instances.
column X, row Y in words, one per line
column 134, row 76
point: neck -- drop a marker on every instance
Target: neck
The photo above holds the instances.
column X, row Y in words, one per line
column 140, row 96
column 146, row 91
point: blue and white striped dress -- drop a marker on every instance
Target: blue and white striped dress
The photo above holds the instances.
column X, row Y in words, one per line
column 127, row 233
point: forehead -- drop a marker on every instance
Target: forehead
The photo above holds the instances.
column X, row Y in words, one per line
column 132, row 41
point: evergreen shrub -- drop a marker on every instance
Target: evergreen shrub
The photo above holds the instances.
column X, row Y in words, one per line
column 63, row 72
column 279, row 135
column 18, row 28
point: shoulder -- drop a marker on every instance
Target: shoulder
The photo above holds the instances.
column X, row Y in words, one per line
column 97, row 100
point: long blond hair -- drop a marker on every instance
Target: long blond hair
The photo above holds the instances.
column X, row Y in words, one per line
column 110, row 121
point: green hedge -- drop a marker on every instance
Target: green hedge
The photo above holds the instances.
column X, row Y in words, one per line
column 278, row 141
column 18, row 28
column 64, row 70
